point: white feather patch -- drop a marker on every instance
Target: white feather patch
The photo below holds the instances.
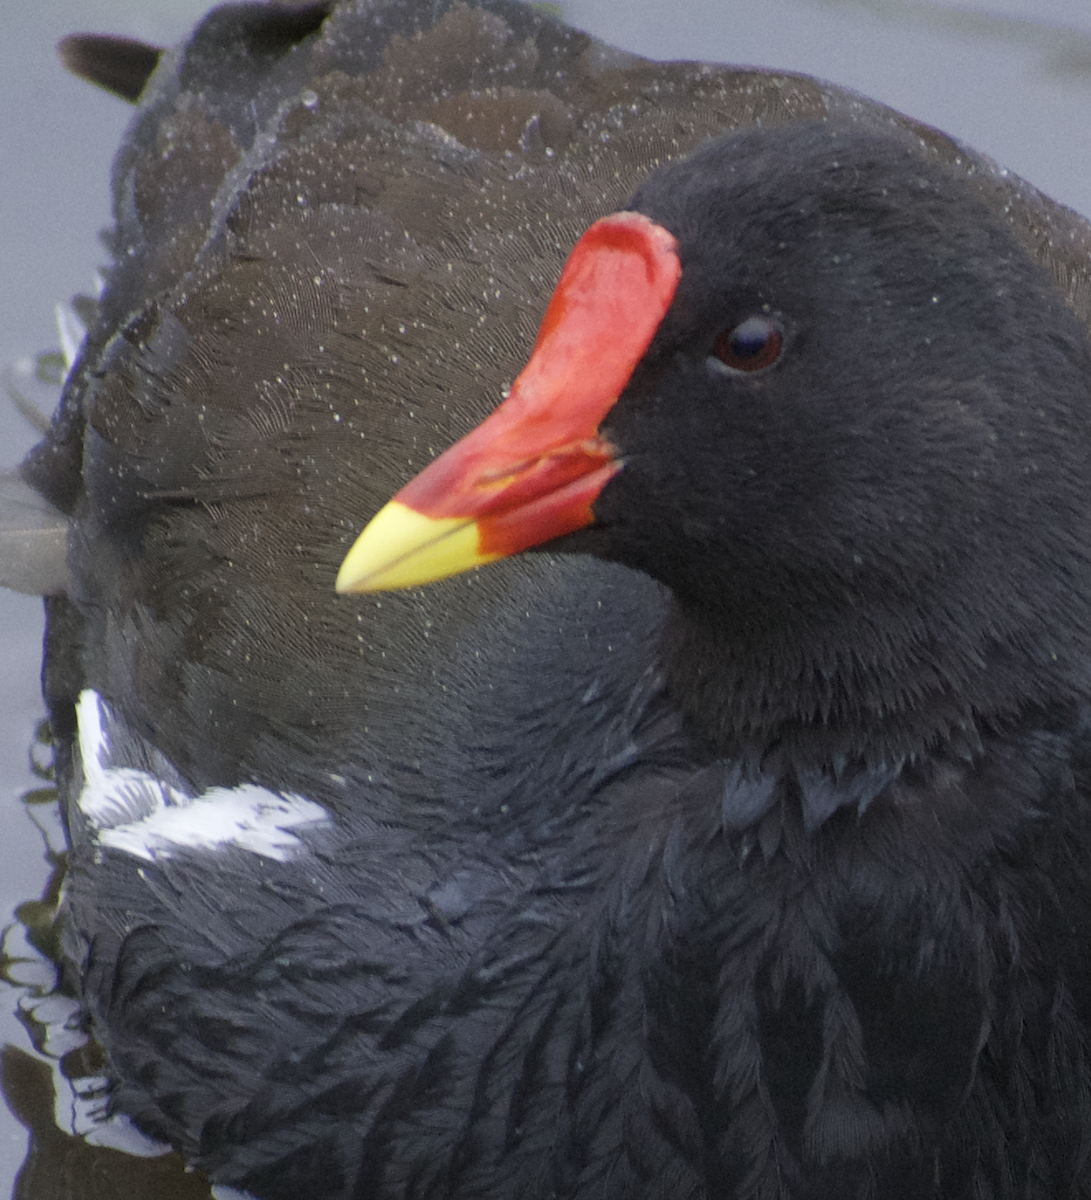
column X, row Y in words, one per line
column 148, row 817
column 71, row 330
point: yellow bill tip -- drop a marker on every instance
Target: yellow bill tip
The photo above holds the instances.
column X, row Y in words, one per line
column 402, row 548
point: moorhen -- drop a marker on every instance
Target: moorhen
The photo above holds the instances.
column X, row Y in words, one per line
column 739, row 848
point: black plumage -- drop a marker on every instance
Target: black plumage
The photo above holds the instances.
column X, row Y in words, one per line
column 759, row 871
column 929, row 368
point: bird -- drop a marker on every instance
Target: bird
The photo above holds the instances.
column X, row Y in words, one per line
column 724, row 834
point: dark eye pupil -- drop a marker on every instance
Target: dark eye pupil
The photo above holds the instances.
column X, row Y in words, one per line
column 752, row 345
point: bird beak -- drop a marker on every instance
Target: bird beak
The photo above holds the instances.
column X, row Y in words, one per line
column 532, row 470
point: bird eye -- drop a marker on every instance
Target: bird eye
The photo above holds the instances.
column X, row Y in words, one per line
column 750, row 346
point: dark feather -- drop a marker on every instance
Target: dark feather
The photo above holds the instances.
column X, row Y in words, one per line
column 586, row 920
